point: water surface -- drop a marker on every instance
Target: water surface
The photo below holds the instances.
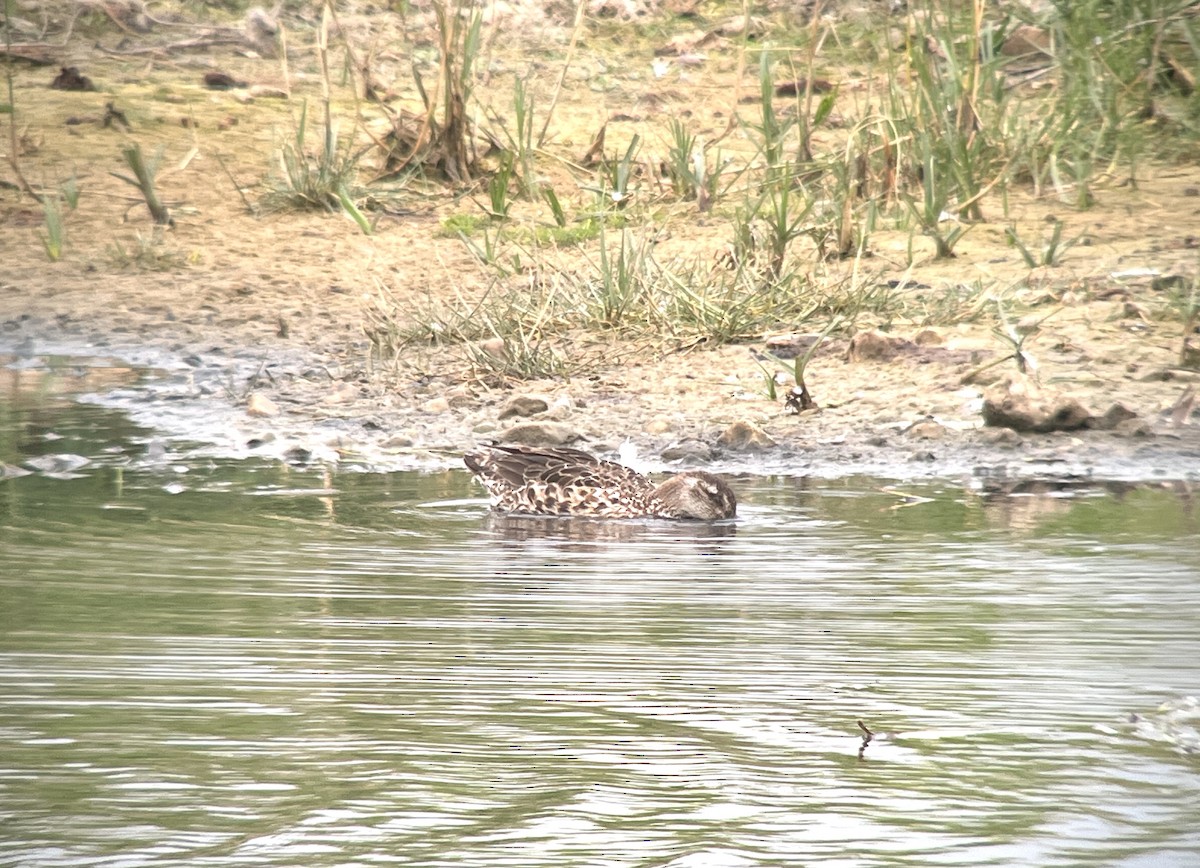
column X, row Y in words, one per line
column 239, row 663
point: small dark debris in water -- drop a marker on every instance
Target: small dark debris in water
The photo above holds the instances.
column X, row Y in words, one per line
column 70, row 78
column 221, row 81
column 298, row 455
column 867, row 736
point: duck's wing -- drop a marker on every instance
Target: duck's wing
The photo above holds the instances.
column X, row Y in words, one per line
column 559, row 480
column 559, row 465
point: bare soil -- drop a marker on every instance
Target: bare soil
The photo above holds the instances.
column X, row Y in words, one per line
column 239, row 307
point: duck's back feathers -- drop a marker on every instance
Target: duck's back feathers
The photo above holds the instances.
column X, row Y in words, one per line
column 563, row 481
column 559, row 481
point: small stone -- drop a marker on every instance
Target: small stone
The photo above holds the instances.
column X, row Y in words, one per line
column 688, row 450
column 1189, row 356
column 928, row 338
column 558, row 411
column 440, row 404
column 1022, row 405
column 873, row 346
column 1133, row 310
column 745, row 436
column 788, row 346
column 523, row 405
column 1166, row 282
column 540, row 434
column 1113, row 416
column 259, row 442
column 1030, row 324
column 659, row 425
column 1005, row 438
column 1133, row 428
column 344, row 393
column 493, row 347
column 1026, row 40
column 926, row 429
column 266, row 91
column 460, row 396
column 260, row 405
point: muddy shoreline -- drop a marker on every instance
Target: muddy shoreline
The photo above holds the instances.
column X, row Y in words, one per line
column 227, row 399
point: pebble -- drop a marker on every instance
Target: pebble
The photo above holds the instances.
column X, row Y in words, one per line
column 659, row 425
column 1020, row 404
column 926, row 429
column 523, row 405
column 688, row 450
column 1115, row 415
column 1005, row 438
column 745, row 436
column 342, row 394
column 540, row 434
column 259, row 404
column 1134, row 427
column 873, row 346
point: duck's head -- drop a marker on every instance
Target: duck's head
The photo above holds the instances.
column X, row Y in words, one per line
column 699, row 495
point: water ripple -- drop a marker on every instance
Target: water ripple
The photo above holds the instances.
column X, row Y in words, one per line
column 379, row 671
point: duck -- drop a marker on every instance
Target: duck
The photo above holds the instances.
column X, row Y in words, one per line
column 562, row 481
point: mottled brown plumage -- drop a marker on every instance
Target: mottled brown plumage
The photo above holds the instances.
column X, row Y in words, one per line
column 561, row 481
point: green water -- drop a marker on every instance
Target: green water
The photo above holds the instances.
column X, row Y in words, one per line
column 231, row 663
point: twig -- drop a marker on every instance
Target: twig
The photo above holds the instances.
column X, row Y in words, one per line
column 741, row 72
column 867, row 736
column 14, row 140
column 562, row 75
column 203, row 42
column 236, row 186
